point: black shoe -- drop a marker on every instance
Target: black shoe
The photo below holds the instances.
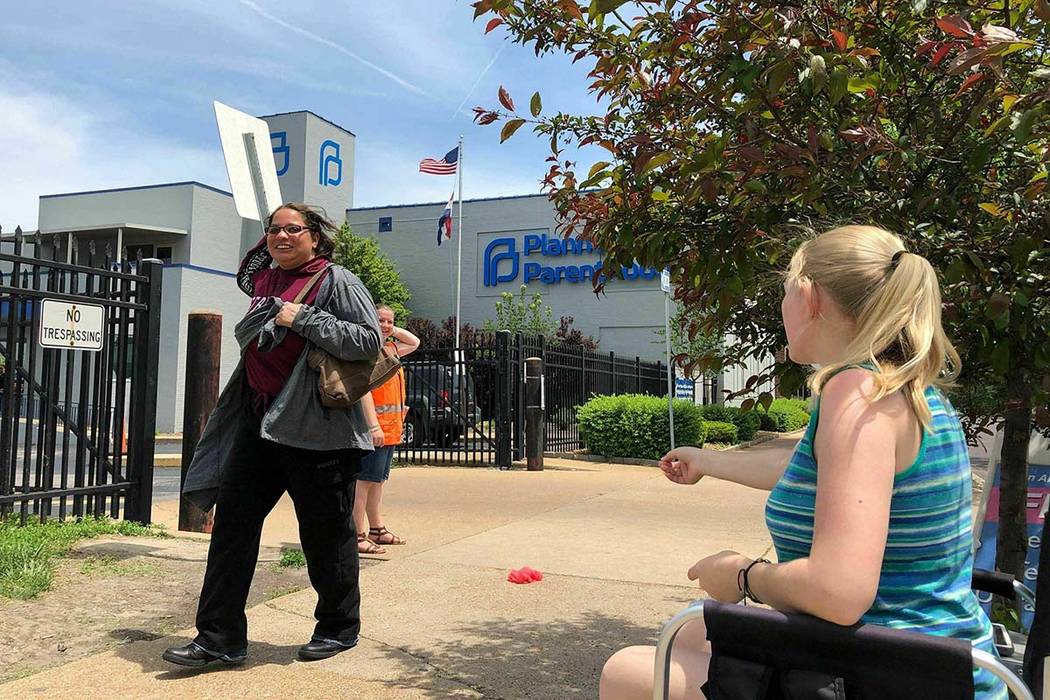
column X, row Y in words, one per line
column 195, row 655
column 321, row 648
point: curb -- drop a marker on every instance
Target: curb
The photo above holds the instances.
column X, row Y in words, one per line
column 760, row 437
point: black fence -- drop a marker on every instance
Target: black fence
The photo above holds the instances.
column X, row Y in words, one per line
column 467, row 404
column 77, row 426
column 572, row 375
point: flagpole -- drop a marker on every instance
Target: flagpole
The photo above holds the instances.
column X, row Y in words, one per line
column 459, row 237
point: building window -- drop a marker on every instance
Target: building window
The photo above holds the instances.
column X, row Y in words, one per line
column 386, row 224
column 164, row 253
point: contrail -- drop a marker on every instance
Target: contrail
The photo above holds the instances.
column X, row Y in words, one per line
column 480, row 76
column 331, row 44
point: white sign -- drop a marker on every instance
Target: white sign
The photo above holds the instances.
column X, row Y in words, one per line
column 249, row 162
column 665, row 281
column 71, row 326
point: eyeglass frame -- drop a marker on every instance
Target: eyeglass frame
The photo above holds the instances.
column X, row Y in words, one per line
column 273, row 230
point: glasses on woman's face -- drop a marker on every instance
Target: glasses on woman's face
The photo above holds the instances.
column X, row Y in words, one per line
column 290, row 229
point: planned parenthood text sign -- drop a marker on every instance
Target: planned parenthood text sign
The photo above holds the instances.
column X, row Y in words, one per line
column 71, row 326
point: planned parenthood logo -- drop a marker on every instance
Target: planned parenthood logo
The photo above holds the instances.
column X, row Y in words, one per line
column 503, row 262
column 281, row 151
column 492, row 277
column 331, row 165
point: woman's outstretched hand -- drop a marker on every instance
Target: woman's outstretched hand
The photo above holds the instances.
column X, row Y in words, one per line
column 682, row 465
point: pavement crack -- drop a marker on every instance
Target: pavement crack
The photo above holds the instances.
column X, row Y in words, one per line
column 438, row 671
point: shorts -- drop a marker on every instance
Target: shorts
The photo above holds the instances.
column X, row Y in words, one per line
column 375, row 465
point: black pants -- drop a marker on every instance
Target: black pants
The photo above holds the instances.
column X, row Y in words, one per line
column 321, row 485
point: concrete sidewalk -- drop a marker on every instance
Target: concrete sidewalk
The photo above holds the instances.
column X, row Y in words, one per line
column 439, row 618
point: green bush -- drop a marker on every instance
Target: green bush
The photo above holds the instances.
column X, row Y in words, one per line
column 721, row 432
column 785, row 415
column 747, row 422
column 633, row 425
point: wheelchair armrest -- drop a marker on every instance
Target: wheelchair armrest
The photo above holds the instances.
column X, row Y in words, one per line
column 798, row 639
column 1000, row 584
column 994, row 582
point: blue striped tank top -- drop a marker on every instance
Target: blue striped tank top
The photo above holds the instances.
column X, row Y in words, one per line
column 925, row 581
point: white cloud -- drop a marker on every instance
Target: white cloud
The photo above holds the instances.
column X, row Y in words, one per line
column 52, row 145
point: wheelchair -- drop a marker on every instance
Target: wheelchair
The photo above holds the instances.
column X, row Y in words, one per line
column 762, row 654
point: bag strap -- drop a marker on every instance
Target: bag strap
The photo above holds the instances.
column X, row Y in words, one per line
column 309, row 285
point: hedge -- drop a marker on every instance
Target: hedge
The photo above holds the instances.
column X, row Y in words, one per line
column 635, row 425
column 747, row 422
column 721, row 432
column 784, row 415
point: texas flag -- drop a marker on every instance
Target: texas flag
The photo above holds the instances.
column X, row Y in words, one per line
column 445, row 222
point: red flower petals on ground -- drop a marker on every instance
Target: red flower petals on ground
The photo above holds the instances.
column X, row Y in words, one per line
column 524, row 575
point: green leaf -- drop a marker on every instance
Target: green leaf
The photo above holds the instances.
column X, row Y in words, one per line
column 601, row 7
column 994, row 126
column 509, row 128
column 778, row 75
column 1023, row 123
column 597, row 168
column 861, row 84
column 660, row 196
column 993, row 209
column 536, row 105
column 655, row 162
column 980, row 155
column 838, row 84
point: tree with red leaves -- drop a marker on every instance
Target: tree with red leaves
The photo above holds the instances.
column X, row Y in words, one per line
column 729, row 129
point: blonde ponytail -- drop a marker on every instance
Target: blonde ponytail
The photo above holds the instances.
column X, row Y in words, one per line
column 894, row 300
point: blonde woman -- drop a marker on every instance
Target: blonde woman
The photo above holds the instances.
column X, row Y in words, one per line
column 386, row 410
column 883, row 536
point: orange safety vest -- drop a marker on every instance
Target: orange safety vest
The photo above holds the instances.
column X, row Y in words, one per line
column 391, row 410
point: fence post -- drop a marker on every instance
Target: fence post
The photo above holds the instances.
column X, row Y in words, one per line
column 535, row 422
column 638, row 374
column 612, row 365
column 203, row 351
column 504, row 424
column 138, row 505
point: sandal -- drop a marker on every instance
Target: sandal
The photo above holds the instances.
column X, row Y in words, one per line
column 382, row 536
column 370, row 546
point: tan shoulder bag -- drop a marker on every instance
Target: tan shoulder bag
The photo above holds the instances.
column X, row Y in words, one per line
column 342, row 383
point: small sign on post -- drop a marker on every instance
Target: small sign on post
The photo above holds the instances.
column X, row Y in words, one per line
column 68, row 326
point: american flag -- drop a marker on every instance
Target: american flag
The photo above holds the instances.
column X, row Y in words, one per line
column 445, row 166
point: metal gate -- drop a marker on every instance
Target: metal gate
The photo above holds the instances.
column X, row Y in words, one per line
column 77, row 426
column 458, row 399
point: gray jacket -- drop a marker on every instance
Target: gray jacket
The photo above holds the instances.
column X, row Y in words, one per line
column 342, row 321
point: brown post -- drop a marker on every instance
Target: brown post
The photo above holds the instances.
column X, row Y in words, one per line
column 203, row 349
column 535, row 421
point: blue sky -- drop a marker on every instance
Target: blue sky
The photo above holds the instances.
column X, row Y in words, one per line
column 104, row 94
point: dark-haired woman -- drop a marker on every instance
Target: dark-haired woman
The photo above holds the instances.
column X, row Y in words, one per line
column 270, row 434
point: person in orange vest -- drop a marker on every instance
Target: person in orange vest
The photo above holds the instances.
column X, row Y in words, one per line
column 388, row 412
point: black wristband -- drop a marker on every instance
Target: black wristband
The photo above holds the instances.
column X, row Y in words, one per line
column 746, row 587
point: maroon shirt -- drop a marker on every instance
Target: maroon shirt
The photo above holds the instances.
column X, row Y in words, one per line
column 268, row 371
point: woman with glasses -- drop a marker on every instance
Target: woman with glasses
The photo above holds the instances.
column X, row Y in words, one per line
column 270, row 434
